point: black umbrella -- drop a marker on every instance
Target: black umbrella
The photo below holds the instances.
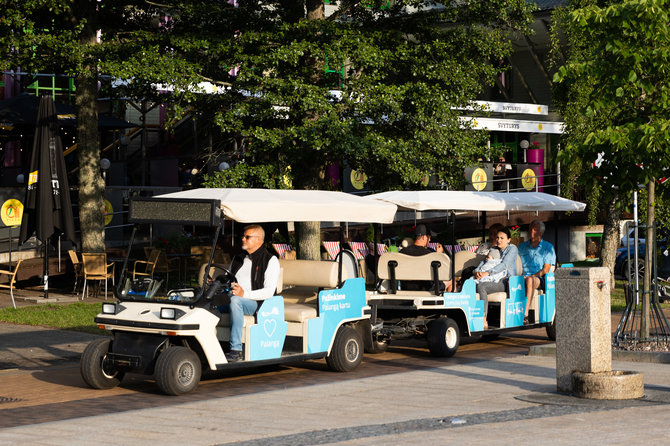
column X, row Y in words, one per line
column 19, row 113
column 47, row 210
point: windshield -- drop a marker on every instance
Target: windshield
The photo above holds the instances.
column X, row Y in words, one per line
column 157, row 289
column 171, row 244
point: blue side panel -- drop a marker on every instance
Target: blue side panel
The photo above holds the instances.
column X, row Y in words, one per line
column 548, row 299
column 515, row 306
column 467, row 301
column 266, row 338
column 335, row 306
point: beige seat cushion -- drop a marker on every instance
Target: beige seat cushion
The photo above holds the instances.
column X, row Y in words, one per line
column 465, row 259
column 298, row 312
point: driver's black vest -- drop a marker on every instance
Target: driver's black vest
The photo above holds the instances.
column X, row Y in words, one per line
column 259, row 263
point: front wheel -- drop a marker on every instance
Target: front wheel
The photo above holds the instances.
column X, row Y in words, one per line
column 444, row 337
column 178, row 370
column 95, row 370
column 347, row 351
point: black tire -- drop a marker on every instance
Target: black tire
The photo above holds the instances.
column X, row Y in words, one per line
column 178, row 370
column 444, row 337
column 551, row 330
column 347, row 351
column 94, row 370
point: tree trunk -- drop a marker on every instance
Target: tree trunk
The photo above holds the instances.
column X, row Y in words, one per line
column 315, row 10
column 308, row 235
column 648, row 262
column 610, row 238
column 91, row 185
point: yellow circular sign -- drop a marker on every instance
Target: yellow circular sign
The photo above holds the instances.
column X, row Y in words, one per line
column 109, row 211
column 12, row 212
column 424, row 180
column 479, row 179
column 528, row 179
column 358, row 179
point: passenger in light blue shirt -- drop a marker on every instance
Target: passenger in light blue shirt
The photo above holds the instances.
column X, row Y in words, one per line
column 537, row 258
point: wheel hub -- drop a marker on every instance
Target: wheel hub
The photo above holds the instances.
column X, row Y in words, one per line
column 185, row 373
column 352, row 351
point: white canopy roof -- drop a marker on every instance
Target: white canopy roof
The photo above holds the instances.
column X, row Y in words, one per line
column 435, row 200
column 265, row 205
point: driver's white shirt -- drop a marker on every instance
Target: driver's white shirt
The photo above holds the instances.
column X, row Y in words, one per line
column 243, row 276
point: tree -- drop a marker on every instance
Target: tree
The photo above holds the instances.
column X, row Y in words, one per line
column 373, row 86
column 613, row 92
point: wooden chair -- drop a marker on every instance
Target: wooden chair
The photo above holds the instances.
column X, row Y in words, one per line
column 165, row 265
column 77, row 266
column 12, row 279
column 147, row 267
column 97, row 268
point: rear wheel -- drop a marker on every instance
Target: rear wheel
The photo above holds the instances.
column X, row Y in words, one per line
column 347, row 351
column 444, row 337
column 178, row 370
column 95, row 370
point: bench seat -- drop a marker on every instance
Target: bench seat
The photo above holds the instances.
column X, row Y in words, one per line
column 399, row 266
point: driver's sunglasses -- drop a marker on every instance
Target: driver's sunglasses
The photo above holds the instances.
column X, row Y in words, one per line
column 247, row 237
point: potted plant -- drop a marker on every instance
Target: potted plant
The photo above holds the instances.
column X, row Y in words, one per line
column 515, row 234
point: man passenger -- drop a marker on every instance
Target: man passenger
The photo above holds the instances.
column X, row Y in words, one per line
column 537, row 258
column 420, row 248
column 257, row 273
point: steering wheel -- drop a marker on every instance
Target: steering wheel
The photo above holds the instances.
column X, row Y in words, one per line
column 222, row 280
column 222, row 275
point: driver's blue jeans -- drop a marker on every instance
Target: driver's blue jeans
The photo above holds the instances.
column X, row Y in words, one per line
column 239, row 306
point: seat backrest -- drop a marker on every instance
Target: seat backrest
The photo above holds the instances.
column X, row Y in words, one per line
column 95, row 263
column 414, row 267
column 519, row 266
column 73, row 257
column 465, row 259
column 322, row 274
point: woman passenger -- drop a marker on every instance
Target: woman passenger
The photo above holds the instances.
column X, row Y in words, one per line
column 508, row 255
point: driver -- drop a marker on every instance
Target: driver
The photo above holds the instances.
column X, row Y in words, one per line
column 257, row 274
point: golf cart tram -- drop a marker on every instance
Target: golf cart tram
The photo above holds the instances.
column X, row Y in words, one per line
column 443, row 317
column 319, row 311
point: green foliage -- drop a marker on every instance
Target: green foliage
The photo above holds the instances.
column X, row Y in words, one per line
column 262, row 176
column 404, row 66
column 614, row 92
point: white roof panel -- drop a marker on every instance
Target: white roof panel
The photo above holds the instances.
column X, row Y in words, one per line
column 435, row 200
column 265, row 205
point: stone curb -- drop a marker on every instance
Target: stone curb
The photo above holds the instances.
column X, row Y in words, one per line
column 617, row 355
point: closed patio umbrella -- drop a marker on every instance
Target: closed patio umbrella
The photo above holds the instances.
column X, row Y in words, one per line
column 48, row 210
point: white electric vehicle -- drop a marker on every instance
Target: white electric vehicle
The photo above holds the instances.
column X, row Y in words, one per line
column 443, row 317
column 320, row 310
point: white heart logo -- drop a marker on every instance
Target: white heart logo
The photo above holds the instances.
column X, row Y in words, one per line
column 269, row 326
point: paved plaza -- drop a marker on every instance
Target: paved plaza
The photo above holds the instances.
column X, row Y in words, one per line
column 498, row 400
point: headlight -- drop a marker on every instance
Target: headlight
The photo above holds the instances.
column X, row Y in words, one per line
column 168, row 313
column 108, row 308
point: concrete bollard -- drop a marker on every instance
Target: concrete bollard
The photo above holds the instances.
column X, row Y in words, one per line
column 584, row 338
